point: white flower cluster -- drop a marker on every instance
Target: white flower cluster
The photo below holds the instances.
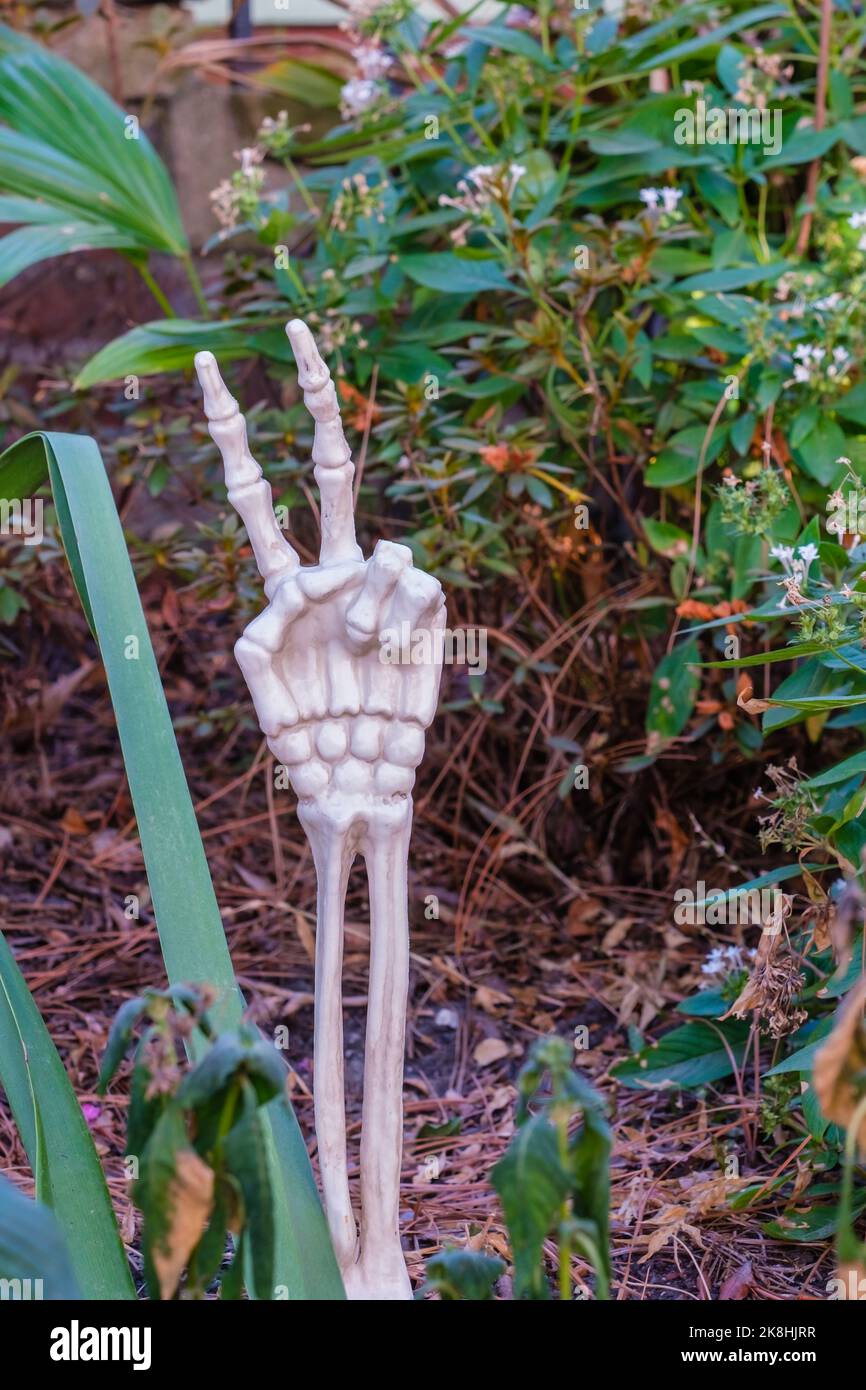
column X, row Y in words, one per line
column 809, row 362
column 361, row 92
column 661, row 199
column 483, row 185
column 857, row 220
column 723, row 961
column 796, row 563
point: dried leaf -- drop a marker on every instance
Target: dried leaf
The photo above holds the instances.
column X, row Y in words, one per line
column 745, row 701
column 738, row 1284
column 189, row 1199
column 840, row 1061
column 490, row 1050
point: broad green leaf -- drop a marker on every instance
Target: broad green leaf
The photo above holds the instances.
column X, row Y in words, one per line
column 673, row 692
column 733, row 278
column 846, row 768
column 247, row 1160
column 666, row 539
column 464, row 1274
column 32, row 1248
column 157, row 1170
column 532, row 1185
column 818, row 452
column 164, row 346
column 510, row 41
column 67, row 142
column 309, row 83
column 119, row 1038
column 818, row 1223
column 29, row 245
column 68, row 1174
column 745, row 20
column 453, row 274
column 693, row 1055
column 803, row 1059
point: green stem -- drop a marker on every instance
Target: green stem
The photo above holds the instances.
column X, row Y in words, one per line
column 159, row 296
column 564, row 1217
column 195, row 282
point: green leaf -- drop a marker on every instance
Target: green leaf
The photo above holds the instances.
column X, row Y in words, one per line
column 119, row 1038
column 59, row 1147
column 308, row 83
column 711, row 37
column 247, row 1160
column 817, row 1224
column 673, row 692
column 804, row 1058
column 29, row 245
column 463, row 1274
column 589, row 1156
column 666, row 539
column 733, row 278
column 853, row 404
column 838, row 773
column 164, row 346
column 157, row 1169
column 797, row 649
column 801, row 146
column 510, row 41
column 532, row 1185
column 190, row 930
column 818, row 452
column 67, row 143
column 693, row 1055
column 230, row 1056
column 453, row 274
column 32, row 1248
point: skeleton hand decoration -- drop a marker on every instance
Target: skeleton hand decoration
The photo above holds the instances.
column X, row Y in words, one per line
column 349, row 727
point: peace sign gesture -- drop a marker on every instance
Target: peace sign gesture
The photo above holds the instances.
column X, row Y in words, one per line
column 348, row 723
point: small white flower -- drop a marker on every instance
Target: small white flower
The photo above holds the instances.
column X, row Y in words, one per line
column 650, row 196
column 801, row 373
column 857, row 220
column 358, row 95
column 784, row 554
column 807, row 554
column 372, row 60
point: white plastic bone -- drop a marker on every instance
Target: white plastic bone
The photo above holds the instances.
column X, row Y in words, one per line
column 350, row 730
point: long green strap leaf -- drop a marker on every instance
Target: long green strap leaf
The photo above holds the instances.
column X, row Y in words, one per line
column 190, row 929
column 69, row 1175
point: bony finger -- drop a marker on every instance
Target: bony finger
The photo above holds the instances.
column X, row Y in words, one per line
column 365, row 616
column 248, row 491
column 334, row 470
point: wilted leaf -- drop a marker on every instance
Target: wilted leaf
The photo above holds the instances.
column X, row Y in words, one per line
column 464, row 1274
column 840, row 1064
column 189, row 1197
column 490, row 1050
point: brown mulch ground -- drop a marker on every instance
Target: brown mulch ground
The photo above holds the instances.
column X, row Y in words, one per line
column 528, row 940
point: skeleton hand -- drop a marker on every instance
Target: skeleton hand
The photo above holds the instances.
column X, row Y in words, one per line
column 349, row 727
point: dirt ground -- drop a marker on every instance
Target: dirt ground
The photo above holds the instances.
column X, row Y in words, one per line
column 554, row 913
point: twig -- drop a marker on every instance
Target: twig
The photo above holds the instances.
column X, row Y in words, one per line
column 820, row 115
